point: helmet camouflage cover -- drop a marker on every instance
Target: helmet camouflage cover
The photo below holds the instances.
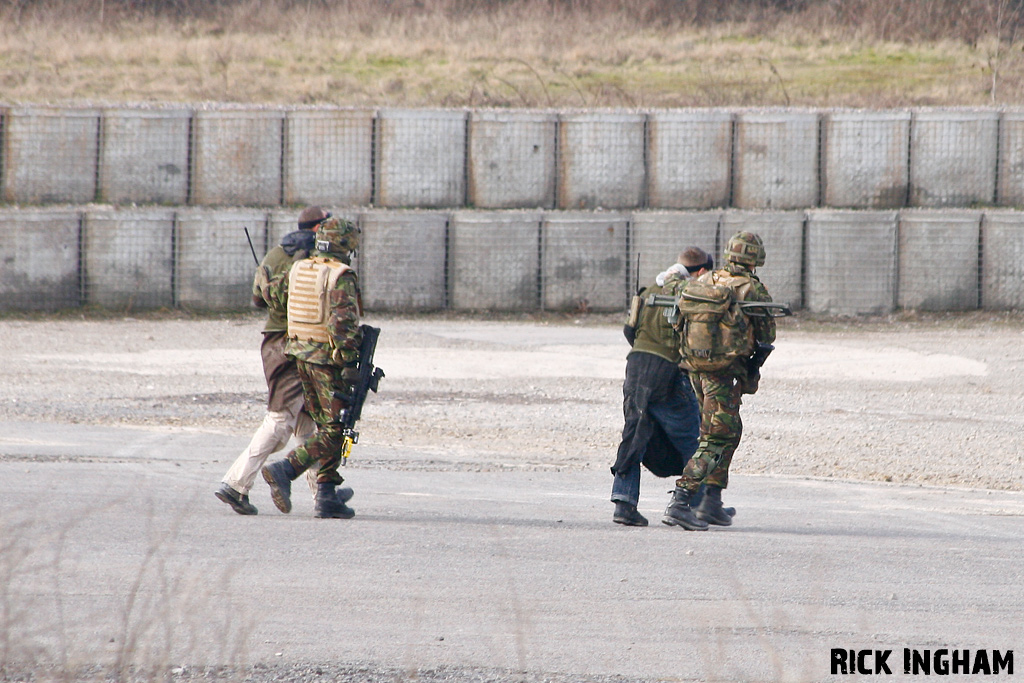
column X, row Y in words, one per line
column 337, row 235
column 745, row 248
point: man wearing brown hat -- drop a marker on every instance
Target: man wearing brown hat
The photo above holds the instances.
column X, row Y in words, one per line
column 285, row 414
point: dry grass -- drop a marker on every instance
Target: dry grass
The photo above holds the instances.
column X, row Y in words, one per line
column 525, row 54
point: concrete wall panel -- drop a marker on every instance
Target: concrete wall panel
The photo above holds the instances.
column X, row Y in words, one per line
column 1010, row 183
column 144, row 156
column 214, row 265
column 1002, row 257
column 512, row 159
column 493, row 260
column 775, row 160
column 421, row 158
column 583, row 264
column 866, row 162
column 50, row 155
column 851, row 262
column 658, row 238
column 128, row 260
column 953, row 158
column 783, row 235
column 237, row 157
column 689, row 159
column 39, row 250
column 402, row 260
column 938, row 260
column 328, row 157
column 601, row 161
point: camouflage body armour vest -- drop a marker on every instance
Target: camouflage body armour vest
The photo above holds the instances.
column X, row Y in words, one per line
column 309, row 285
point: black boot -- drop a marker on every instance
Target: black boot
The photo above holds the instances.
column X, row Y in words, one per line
column 626, row 513
column 279, row 476
column 329, row 503
column 710, row 509
column 344, row 494
column 239, row 502
column 696, row 499
column 678, row 512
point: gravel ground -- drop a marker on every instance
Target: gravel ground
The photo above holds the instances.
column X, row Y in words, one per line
column 911, row 399
column 337, row 673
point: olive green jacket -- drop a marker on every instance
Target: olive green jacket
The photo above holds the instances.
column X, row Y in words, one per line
column 654, row 334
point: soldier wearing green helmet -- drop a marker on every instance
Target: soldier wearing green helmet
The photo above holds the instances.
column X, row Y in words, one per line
column 321, row 297
column 719, row 394
column 285, row 414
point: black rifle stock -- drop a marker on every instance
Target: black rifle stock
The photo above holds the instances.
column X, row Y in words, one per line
column 369, row 379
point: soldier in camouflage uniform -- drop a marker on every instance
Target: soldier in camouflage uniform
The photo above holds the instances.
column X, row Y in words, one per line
column 655, row 390
column 321, row 295
column 719, row 394
column 285, row 415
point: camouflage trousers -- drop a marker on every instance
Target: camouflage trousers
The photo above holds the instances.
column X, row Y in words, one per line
column 719, row 397
column 319, row 382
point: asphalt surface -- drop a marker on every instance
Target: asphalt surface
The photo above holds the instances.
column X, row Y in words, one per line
column 115, row 553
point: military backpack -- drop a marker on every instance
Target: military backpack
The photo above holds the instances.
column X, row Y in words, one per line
column 713, row 328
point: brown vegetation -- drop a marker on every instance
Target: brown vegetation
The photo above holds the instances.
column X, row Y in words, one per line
column 517, row 53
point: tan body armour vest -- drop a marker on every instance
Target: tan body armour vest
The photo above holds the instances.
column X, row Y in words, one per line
column 310, row 283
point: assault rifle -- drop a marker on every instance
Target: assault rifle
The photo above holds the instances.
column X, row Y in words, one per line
column 758, row 309
column 369, row 379
column 251, row 248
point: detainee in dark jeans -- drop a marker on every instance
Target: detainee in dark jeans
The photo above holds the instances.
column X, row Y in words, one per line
column 654, row 390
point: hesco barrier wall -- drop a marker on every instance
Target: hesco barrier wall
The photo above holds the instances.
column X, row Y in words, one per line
column 775, row 161
column 865, row 160
column 328, row 157
column 421, row 158
column 511, row 163
column 689, row 158
column 850, row 262
column 513, row 159
column 825, row 261
column 40, row 259
column 953, row 158
column 494, row 260
column 938, row 264
column 1002, row 261
column 601, row 160
column 583, row 261
column 50, row 155
column 237, row 157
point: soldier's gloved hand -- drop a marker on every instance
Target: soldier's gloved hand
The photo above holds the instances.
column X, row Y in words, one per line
column 749, row 385
column 261, row 281
column 350, row 373
column 629, row 332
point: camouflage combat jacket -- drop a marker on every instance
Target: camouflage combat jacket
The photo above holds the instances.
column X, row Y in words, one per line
column 342, row 322
column 294, row 247
column 763, row 326
column 654, row 333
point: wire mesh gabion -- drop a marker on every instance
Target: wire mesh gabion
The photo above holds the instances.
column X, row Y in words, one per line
column 513, row 209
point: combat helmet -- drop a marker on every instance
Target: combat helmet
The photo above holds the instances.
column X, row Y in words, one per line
column 337, row 236
column 745, row 248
